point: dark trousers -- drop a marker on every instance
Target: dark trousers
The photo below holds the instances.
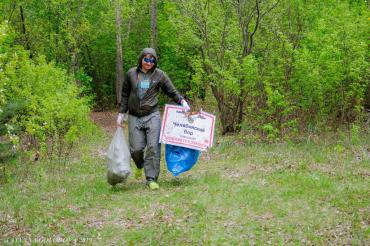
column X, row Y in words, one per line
column 144, row 143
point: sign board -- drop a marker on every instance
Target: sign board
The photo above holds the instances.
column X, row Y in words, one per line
column 193, row 131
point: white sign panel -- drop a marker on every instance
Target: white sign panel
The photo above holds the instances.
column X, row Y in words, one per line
column 194, row 131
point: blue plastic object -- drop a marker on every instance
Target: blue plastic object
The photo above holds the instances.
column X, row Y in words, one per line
column 180, row 159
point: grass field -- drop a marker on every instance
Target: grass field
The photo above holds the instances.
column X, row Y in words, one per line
column 311, row 193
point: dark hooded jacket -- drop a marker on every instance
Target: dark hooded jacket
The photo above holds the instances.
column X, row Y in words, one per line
column 131, row 102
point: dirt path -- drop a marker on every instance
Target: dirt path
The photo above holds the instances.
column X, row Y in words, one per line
column 107, row 120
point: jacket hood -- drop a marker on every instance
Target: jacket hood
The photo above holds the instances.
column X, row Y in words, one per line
column 148, row 51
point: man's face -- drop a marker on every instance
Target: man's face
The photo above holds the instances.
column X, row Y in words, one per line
column 147, row 62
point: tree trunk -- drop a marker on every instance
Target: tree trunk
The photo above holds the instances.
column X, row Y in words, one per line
column 23, row 31
column 119, row 56
column 153, row 24
column 248, row 42
column 247, row 50
column 74, row 54
column 22, row 19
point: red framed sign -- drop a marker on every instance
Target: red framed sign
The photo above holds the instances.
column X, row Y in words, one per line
column 193, row 131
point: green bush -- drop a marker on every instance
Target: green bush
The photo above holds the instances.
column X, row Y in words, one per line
column 40, row 104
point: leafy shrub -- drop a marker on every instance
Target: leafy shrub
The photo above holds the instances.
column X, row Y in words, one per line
column 40, row 103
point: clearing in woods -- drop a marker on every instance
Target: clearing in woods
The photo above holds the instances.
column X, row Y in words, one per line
column 239, row 193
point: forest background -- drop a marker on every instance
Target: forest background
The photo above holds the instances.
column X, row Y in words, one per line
column 288, row 81
column 271, row 68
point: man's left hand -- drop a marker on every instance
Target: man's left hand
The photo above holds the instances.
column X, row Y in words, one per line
column 185, row 105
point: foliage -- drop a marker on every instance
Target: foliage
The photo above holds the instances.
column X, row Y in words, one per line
column 311, row 64
column 40, row 103
column 305, row 67
column 289, row 66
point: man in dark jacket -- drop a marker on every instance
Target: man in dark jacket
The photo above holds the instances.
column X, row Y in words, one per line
column 139, row 105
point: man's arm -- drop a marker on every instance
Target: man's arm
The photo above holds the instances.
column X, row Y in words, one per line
column 126, row 90
column 170, row 89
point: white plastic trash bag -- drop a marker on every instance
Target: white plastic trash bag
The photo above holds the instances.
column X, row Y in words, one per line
column 118, row 159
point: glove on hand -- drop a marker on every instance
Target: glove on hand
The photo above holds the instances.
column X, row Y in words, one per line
column 185, row 105
column 121, row 117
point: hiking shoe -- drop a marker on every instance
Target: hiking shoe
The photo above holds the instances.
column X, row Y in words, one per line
column 138, row 173
column 153, row 185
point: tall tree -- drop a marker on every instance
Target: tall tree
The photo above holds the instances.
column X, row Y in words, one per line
column 249, row 17
column 119, row 56
column 153, row 24
column 23, row 27
column 227, row 31
column 75, row 41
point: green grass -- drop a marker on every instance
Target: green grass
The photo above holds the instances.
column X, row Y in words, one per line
column 237, row 194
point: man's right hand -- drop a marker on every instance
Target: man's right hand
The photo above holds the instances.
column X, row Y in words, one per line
column 121, row 117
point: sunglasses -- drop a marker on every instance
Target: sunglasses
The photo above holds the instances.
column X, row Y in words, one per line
column 149, row 60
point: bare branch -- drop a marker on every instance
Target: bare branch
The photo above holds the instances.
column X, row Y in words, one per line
column 258, row 19
column 272, row 7
column 14, row 5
